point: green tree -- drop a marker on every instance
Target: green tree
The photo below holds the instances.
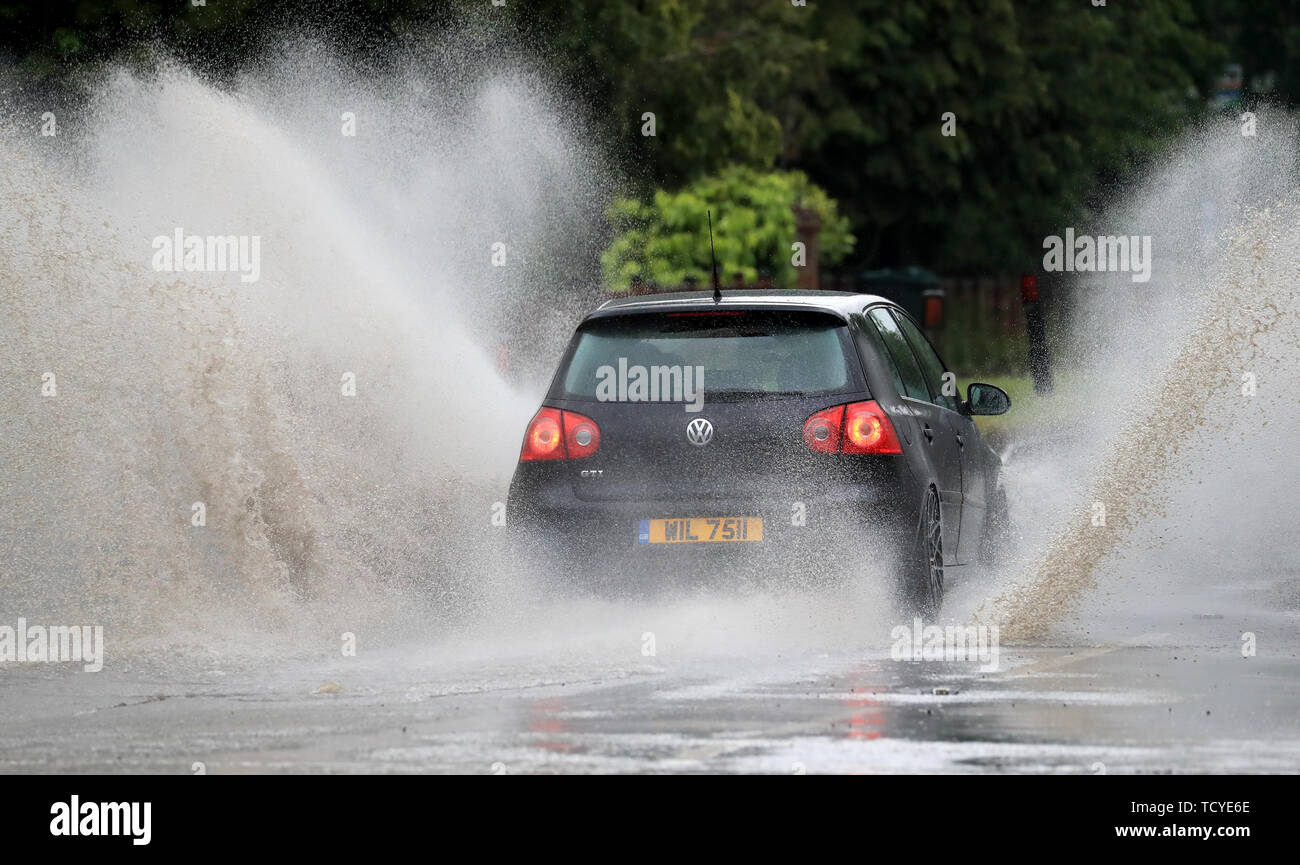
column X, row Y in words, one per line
column 720, row 77
column 1054, row 101
column 667, row 238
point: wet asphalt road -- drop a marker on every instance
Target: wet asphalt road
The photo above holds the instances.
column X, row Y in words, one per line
column 1149, row 677
column 1177, row 698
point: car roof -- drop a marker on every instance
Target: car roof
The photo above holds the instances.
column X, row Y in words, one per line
column 839, row 303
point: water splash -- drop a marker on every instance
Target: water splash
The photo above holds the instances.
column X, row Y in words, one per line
column 323, row 510
column 327, row 512
column 1169, row 430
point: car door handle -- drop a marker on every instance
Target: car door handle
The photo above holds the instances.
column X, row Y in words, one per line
column 961, row 440
column 929, row 433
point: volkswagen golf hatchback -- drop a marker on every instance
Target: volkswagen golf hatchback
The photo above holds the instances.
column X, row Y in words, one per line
column 766, row 425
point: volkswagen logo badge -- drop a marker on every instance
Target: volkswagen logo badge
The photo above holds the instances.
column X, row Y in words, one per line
column 699, row 432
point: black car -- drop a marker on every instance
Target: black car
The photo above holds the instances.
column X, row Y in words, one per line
column 825, row 427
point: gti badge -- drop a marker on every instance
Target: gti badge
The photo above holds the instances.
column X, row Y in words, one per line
column 593, row 473
column 699, row 432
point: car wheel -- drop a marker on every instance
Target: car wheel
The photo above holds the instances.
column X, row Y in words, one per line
column 923, row 573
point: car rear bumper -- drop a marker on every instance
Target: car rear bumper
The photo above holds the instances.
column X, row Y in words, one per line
column 828, row 526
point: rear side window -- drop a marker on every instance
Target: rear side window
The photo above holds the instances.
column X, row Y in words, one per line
column 741, row 353
column 931, row 365
column 901, row 353
column 872, row 343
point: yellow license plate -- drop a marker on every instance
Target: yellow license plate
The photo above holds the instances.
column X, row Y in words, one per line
column 700, row 530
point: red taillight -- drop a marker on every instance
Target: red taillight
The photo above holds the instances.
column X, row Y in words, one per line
column 821, row 432
column 556, row 435
column 543, row 440
column 856, row 428
column 581, row 435
column 867, row 430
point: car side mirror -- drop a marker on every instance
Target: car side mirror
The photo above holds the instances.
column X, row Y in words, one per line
column 986, row 399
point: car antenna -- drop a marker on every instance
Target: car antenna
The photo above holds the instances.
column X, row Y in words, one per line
column 717, row 289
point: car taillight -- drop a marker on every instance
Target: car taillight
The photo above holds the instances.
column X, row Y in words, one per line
column 543, row 440
column 821, row 432
column 856, row 428
column 867, row 430
column 556, row 435
column 581, row 435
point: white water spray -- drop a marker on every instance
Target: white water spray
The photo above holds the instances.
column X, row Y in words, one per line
column 1184, row 401
column 212, row 457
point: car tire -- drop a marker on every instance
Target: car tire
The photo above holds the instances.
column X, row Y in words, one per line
column 923, row 568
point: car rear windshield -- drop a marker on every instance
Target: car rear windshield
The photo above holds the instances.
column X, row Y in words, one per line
column 742, row 353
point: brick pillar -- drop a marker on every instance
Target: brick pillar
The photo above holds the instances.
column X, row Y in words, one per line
column 807, row 226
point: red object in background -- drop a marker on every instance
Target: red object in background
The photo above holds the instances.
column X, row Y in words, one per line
column 1040, row 360
column 1029, row 289
column 933, row 310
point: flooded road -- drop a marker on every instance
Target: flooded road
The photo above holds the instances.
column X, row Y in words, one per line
column 1177, row 698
